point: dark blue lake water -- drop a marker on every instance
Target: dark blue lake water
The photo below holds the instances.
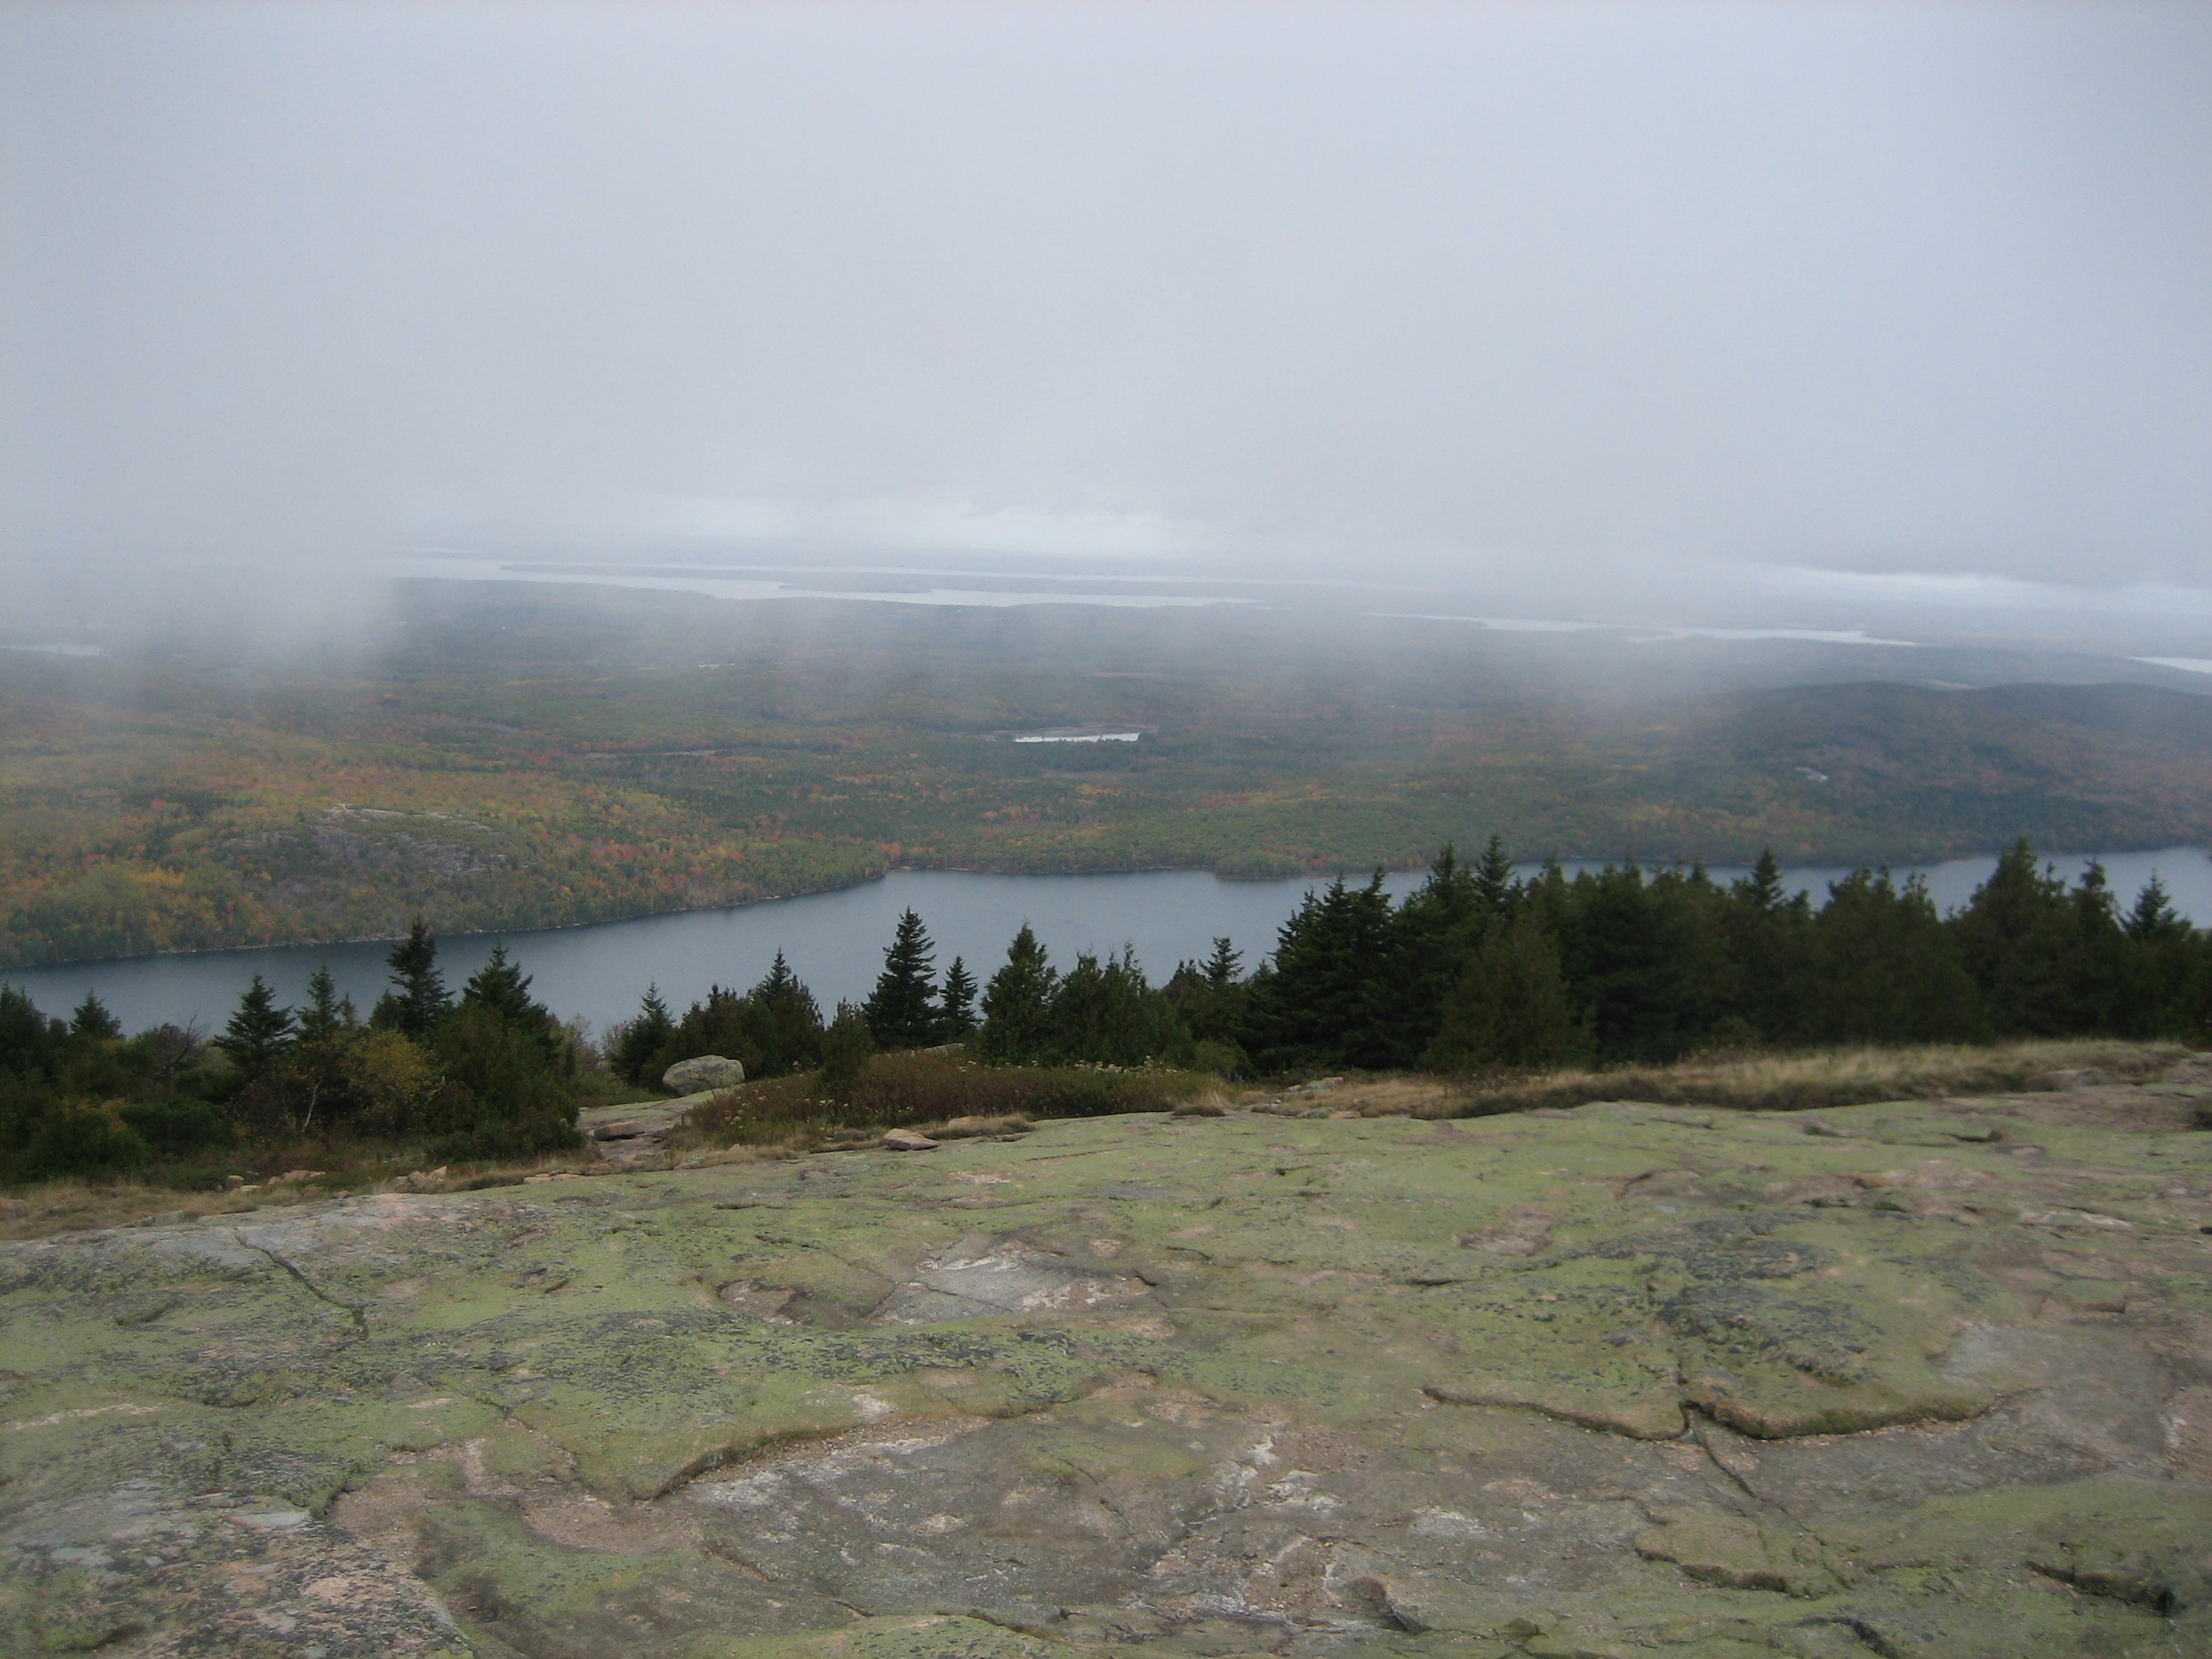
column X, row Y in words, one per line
column 835, row 941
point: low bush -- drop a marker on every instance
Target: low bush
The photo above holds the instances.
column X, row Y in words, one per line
column 1828, row 1077
column 82, row 1140
column 175, row 1126
column 919, row 1086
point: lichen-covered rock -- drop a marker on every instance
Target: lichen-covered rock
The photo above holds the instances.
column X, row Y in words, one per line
column 702, row 1074
column 1621, row 1380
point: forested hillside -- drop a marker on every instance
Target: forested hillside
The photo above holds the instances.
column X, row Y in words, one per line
column 510, row 758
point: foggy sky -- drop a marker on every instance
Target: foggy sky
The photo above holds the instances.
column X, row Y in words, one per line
column 1529, row 293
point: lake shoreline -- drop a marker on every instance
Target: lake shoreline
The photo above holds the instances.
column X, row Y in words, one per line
column 833, row 939
column 1522, row 867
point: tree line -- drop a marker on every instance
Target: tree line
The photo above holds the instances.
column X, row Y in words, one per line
column 1479, row 969
column 488, row 1072
column 1475, row 971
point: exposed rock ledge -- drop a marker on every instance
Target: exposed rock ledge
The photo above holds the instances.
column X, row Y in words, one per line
column 1618, row 1381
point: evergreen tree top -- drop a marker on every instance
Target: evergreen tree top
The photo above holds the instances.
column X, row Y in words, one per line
column 902, row 1011
column 502, row 988
column 2153, row 915
column 258, row 1030
column 1493, row 876
column 780, row 983
column 1762, row 889
column 327, row 1013
column 419, row 996
column 414, row 955
column 92, row 1020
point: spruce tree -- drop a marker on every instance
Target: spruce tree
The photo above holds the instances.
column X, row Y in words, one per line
column 1645, row 957
column 1018, row 1003
column 2153, row 915
column 2013, row 935
column 787, row 1024
column 1210, row 999
column 92, row 1021
column 1103, row 1013
column 327, row 1014
column 258, row 1030
column 1221, row 969
column 30, row 1042
column 847, row 1047
column 418, row 1000
column 1430, row 939
column 1328, row 1001
column 901, row 1012
column 779, row 982
column 1494, row 886
column 2093, row 992
column 1762, row 889
column 513, row 1100
column 501, row 989
column 1511, row 1008
column 1882, row 967
column 637, row 1051
column 1764, row 926
column 955, row 1002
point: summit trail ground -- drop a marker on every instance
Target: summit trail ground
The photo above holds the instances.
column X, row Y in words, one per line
column 1927, row 1377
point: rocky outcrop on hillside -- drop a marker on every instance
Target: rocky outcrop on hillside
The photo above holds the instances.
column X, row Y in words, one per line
column 1927, row 1378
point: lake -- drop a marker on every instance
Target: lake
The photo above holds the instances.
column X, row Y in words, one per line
column 835, row 941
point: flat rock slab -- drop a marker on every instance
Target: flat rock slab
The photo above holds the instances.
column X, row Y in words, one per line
column 1925, row 1378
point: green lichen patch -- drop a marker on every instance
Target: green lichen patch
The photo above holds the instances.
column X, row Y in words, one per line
column 1914, row 1377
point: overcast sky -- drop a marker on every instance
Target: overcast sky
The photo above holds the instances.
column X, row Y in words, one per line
column 1484, row 288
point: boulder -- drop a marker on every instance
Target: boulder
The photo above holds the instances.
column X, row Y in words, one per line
column 908, row 1140
column 707, row 1072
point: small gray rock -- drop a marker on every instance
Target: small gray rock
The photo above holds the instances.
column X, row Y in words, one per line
column 908, row 1140
column 691, row 1077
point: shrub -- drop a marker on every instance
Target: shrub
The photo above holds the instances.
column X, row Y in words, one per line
column 1219, row 1058
column 847, row 1047
column 503, row 1097
column 82, row 1139
column 170, row 1126
column 918, row 1086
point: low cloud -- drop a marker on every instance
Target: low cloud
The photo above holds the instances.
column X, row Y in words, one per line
column 1579, row 309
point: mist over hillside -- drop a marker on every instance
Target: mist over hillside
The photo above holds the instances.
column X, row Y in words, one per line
column 511, row 756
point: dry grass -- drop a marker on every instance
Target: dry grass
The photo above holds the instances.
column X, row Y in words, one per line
column 1212, row 1103
column 921, row 1087
column 1827, row 1077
